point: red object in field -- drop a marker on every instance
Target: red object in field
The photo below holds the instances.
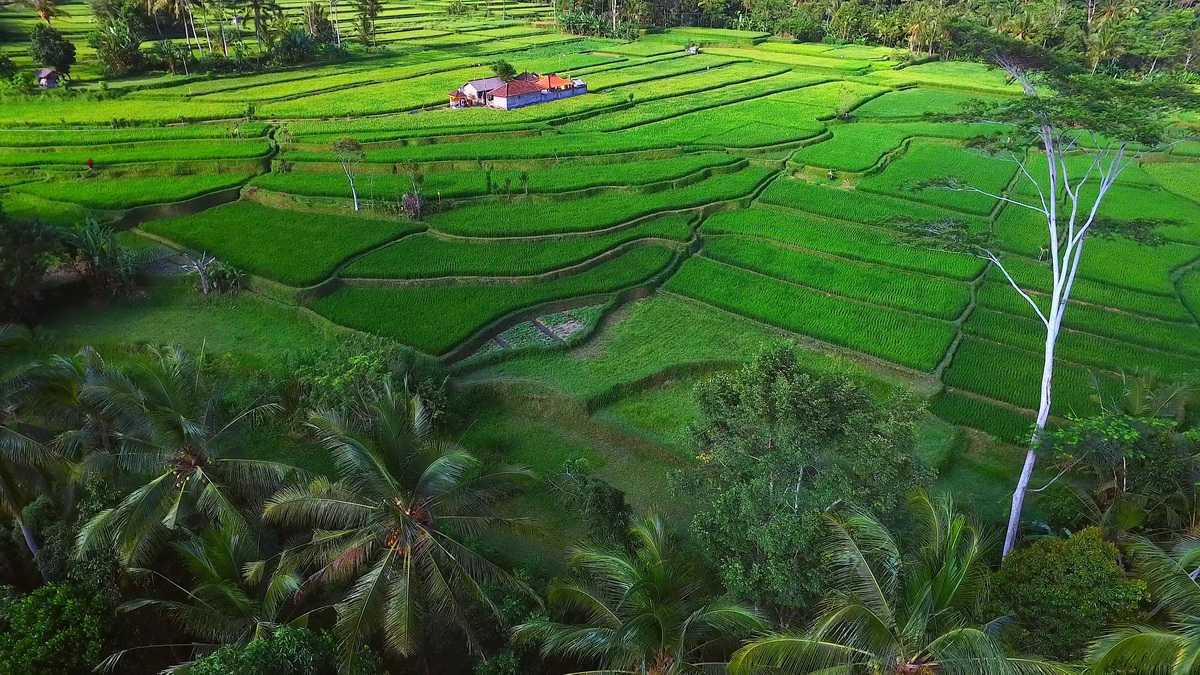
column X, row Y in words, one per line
column 90, row 162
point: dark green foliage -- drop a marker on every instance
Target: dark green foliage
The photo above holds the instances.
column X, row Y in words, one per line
column 603, row 507
column 26, row 252
column 504, row 70
column 121, row 26
column 7, row 68
column 287, row 651
column 1064, row 592
column 777, row 446
column 49, row 48
column 293, row 46
column 56, row 629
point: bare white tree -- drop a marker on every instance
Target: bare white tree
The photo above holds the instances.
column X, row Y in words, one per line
column 1068, row 197
column 349, row 153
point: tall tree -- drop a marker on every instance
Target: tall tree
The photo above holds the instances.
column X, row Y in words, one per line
column 225, row 593
column 46, row 9
column 1085, row 127
column 177, row 433
column 349, row 154
column 894, row 612
column 646, row 610
column 777, row 445
column 394, row 526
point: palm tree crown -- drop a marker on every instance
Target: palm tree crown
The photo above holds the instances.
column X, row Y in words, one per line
column 394, row 524
column 642, row 612
column 174, row 429
column 896, row 613
column 1174, row 648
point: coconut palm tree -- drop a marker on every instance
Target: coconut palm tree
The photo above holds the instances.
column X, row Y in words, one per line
column 641, row 611
column 174, row 430
column 893, row 613
column 230, row 594
column 394, row 526
column 1172, row 647
column 45, row 9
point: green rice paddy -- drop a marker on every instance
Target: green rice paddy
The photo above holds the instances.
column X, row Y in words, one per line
column 754, row 191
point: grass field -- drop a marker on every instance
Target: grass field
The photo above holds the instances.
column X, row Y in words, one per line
column 754, row 191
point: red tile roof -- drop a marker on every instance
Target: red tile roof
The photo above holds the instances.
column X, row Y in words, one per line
column 516, row 88
column 553, row 81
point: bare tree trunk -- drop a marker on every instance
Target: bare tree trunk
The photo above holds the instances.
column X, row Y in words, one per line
column 1043, row 415
column 30, row 541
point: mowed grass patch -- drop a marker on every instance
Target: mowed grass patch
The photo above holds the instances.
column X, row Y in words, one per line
column 297, row 249
column 894, row 336
column 926, row 160
column 436, row 318
column 1014, row 375
column 565, row 176
column 842, row 239
column 426, row 255
column 933, row 296
column 1078, row 347
column 124, row 193
column 519, row 217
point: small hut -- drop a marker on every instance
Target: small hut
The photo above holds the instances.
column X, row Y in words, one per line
column 47, row 78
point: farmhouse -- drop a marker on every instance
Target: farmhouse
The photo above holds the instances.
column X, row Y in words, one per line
column 523, row 90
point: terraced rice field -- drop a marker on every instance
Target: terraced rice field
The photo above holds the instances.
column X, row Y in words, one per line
column 760, row 179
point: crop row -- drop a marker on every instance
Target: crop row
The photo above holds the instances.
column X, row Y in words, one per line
column 436, row 318
column 997, row 420
column 36, row 112
column 927, row 160
column 1014, row 375
column 280, row 245
column 858, row 206
column 29, row 138
column 427, row 255
column 656, row 71
column 861, row 52
column 842, row 239
column 801, row 60
column 1035, row 276
column 859, row 146
column 528, row 217
column 135, row 152
column 565, row 176
column 124, row 193
column 932, row 296
column 830, row 98
column 893, row 336
column 950, row 74
column 712, row 89
column 1082, row 348
column 266, row 92
column 919, row 102
column 1138, row 329
column 411, row 93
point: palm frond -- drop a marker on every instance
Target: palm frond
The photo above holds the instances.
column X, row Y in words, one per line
column 1136, row 649
column 795, row 654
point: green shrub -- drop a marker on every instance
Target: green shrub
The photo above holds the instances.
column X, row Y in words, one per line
column 58, row 628
column 1064, row 593
column 287, row 651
